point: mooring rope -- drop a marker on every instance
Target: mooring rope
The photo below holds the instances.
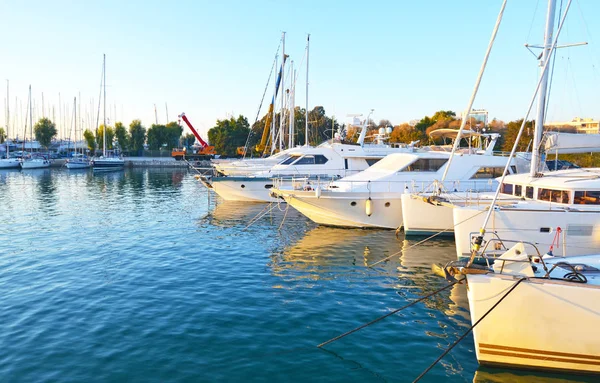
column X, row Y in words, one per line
column 424, row 240
column 390, row 313
column 266, row 210
column 468, row 331
column 287, row 206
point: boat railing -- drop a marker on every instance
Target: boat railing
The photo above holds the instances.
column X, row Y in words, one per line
column 472, row 187
column 500, row 245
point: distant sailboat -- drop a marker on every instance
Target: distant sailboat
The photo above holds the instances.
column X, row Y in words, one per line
column 7, row 162
column 79, row 160
column 33, row 162
column 106, row 162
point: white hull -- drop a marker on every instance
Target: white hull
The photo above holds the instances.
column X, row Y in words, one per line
column 542, row 324
column 35, row 164
column 77, row 165
column 580, row 230
column 245, row 189
column 420, row 217
column 424, row 216
column 9, row 163
column 386, row 208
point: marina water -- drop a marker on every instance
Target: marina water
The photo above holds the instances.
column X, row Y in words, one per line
column 144, row 276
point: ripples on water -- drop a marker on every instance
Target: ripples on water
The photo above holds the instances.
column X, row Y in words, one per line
column 144, row 276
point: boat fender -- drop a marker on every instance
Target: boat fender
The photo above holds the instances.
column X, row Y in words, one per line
column 369, row 207
column 318, row 192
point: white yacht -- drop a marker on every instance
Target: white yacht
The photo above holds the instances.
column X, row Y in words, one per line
column 247, row 166
column 372, row 198
column 330, row 160
column 546, row 311
column 557, row 209
column 9, row 163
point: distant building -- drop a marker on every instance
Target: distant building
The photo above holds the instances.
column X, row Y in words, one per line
column 581, row 125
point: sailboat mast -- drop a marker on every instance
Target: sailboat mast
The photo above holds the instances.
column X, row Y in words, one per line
column 104, row 84
column 306, row 112
column 30, row 120
column 282, row 92
column 7, row 119
column 541, row 101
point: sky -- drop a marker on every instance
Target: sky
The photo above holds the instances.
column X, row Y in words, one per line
column 211, row 59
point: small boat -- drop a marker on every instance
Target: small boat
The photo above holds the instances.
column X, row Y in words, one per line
column 32, row 162
column 8, row 162
column 109, row 161
column 79, row 160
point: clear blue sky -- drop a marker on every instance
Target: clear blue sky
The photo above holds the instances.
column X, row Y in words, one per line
column 405, row 59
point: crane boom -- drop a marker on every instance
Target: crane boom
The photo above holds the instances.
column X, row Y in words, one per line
column 263, row 142
column 203, row 143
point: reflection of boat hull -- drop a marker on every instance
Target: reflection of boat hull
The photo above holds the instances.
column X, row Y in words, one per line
column 348, row 209
column 35, row 163
column 543, row 324
column 9, row 163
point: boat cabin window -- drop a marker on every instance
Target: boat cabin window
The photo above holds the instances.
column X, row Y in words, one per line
column 518, row 190
column 529, row 191
column 372, row 161
column 489, row 172
column 507, row 189
column 289, row 160
column 590, row 197
column 558, row 196
column 425, row 165
column 312, row 160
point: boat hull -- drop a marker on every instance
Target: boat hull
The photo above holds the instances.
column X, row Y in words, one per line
column 543, row 324
column 348, row 209
column 9, row 163
column 107, row 164
column 421, row 217
column 243, row 189
column 35, row 164
column 77, row 165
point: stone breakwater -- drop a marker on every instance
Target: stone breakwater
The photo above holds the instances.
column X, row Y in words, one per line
column 148, row 162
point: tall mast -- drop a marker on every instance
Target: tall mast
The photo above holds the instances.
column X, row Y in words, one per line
column 291, row 106
column 166, row 110
column 306, row 112
column 30, row 119
column 7, row 119
column 104, row 90
column 541, row 101
column 282, row 92
column 273, row 119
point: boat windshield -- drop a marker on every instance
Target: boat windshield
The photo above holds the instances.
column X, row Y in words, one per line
column 289, row 160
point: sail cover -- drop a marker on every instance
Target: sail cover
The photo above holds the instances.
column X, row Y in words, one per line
column 566, row 143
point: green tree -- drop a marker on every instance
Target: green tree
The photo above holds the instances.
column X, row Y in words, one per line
column 138, row 137
column 187, row 140
column 510, row 136
column 90, row 140
column 2, row 135
column 227, row 135
column 45, row 131
column 173, row 134
column 122, row 136
column 405, row 133
column 110, row 135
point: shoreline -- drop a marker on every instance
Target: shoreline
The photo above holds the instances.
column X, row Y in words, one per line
column 145, row 162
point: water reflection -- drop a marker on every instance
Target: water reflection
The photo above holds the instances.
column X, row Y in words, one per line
column 233, row 213
column 497, row 375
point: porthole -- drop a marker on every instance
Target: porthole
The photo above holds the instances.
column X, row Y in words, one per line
column 243, row 186
column 268, row 186
column 352, row 203
column 387, row 204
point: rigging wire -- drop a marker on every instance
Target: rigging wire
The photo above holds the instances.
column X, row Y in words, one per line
column 533, row 20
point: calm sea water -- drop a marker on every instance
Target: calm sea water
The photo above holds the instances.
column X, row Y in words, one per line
column 143, row 276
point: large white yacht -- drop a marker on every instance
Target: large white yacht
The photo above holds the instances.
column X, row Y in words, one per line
column 330, row 160
column 247, row 166
column 372, row 198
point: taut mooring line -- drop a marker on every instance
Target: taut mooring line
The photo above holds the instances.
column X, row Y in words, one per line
column 467, row 332
column 390, row 313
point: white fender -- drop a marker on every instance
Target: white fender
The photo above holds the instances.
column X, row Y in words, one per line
column 369, row 207
column 318, row 192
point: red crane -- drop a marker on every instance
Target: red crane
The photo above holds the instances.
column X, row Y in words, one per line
column 205, row 152
column 189, row 124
